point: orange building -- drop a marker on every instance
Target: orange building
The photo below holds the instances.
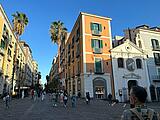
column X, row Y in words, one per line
column 85, row 63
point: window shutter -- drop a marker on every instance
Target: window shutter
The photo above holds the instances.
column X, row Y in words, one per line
column 101, row 43
column 92, row 26
column 100, row 27
column 92, row 43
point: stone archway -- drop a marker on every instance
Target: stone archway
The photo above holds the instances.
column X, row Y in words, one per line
column 99, row 88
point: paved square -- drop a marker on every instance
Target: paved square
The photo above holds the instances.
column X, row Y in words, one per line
column 27, row 109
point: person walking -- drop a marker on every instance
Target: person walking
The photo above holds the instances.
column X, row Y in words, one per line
column 110, row 98
column 43, row 95
column 22, row 94
column 87, row 97
column 138, row 97
column 6, row 99
column 73, row 100
column 65, row 99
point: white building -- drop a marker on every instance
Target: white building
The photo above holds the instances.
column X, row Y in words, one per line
column 148, row 38
column 129, row 69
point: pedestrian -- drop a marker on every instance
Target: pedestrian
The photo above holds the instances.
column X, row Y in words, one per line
column 35, row 95
column 6, row 99
column 43, row 95
column 22, row 94
column 61, row 97
column 138, row 97
column 32, row 93
column 87, row 97
column 79, row 94
column 55, row 98
column 65, row 99
column 73, row 100
column 110, row 98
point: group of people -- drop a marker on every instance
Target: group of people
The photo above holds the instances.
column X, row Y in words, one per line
column 63, row 97
column 37, row 94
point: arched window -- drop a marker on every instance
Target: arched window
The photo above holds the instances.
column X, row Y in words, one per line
column 140, row 44
column 120, row 62
column 139, row 63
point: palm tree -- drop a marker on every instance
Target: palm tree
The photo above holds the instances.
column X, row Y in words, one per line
column 58, row 34
column 57, row 31
column 20, row 21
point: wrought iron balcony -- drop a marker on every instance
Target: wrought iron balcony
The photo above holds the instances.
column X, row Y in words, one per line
column 96, row 32
column 97, row 50
column 1, row 51
column 156, row 78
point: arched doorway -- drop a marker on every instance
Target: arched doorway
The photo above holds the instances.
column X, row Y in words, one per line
column 131, row 83
column 99, row 88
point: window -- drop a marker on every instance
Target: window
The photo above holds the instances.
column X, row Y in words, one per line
column 73, row 42
column 120, row 62
column 96, row 28
column 77, row 34
column 78, row 50
column 157, row 58
column 140, row 44
column 97, row 45
column 2, row 44
column 98, row 65
column 9, row 52
column 73, row 54
column 155, row 43
column 139, row 63
column 69, row 48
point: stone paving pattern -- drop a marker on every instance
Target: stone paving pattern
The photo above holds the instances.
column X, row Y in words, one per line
column 28, row 109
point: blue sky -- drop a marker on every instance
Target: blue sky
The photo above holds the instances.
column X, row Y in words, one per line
column 124, row 14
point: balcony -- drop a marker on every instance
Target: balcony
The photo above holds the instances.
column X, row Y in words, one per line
column 1, row 71
column 1, row 51
column 97, row 50
column 9, row 58
column 5, row 34
column 98, row 71
column 156, row 78
column 156, row 48
column 10, row 43
column 96, row 32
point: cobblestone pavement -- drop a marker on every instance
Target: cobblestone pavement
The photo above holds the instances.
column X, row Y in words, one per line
column 27, row 109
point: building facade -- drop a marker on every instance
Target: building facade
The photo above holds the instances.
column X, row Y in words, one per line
column 13, row 59
column 148, row 38
column 85, row 62
column 129, row 64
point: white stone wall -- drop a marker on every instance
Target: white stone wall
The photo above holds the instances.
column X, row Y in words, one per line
column 141, row 75
column 88, row 83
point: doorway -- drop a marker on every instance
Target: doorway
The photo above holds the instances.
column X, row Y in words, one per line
column 131, row 83
column 99, row 88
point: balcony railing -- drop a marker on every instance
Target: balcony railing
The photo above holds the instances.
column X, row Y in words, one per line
column 99, row 71
column 1, row 51
column 96, row 32
column 156, row 78
column 9, row 58
column 156, row 49
column 5, row 34
column 97, row 50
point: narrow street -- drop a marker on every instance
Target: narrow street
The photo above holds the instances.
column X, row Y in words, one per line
column 27, row 109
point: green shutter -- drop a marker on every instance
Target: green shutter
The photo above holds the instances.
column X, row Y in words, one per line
column 92, row 26
column 92, row 43
column 100, row 27
column 101, row 43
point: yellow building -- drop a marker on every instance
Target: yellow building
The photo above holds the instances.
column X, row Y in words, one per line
column 16, row 66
